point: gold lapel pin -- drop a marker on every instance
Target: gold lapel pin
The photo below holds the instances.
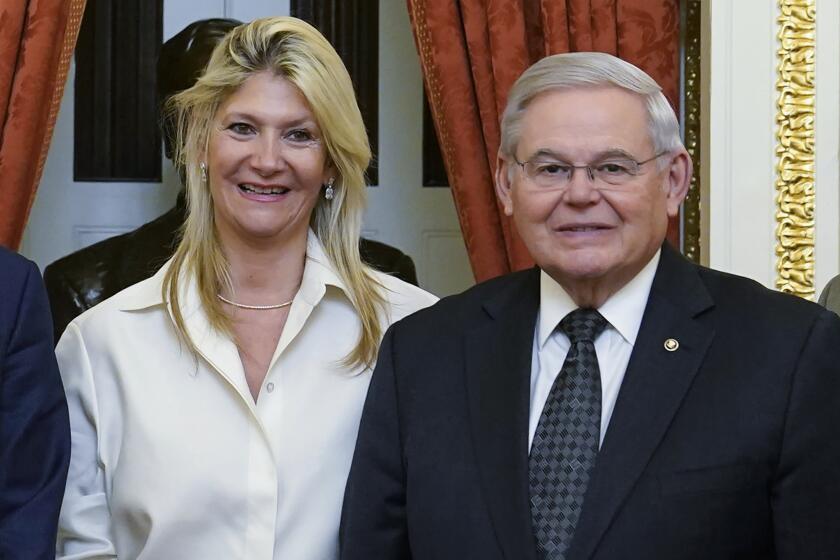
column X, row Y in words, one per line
column 671, row 344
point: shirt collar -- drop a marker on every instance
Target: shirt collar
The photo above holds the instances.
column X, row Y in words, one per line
column 318, row 273
column 146, row 293
column 624, row 309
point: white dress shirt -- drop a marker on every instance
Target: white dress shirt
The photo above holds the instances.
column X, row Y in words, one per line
column 623, row 310
column 171, row 456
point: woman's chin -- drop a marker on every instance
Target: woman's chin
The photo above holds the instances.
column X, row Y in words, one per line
column 272, row 232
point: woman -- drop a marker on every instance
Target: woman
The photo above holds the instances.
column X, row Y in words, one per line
column 214, row 407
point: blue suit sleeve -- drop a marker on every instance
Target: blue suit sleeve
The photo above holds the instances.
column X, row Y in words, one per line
column 34, row 426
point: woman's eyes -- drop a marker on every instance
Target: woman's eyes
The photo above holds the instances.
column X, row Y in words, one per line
column 299, row 135
column 295, row 135
column 241, row 128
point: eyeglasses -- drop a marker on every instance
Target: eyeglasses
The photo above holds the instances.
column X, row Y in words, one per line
column 547, row 173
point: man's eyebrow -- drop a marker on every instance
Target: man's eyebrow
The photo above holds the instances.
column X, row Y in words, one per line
column 613, row 153
column 610, row 153
column 547, row 153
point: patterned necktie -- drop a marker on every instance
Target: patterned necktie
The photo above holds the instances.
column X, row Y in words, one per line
column 566, row 442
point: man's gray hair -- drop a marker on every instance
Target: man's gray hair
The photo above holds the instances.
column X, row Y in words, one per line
column 589, row 69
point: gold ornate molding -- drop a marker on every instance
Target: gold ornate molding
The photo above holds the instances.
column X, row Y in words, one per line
column 692, row 114
column 795, row 192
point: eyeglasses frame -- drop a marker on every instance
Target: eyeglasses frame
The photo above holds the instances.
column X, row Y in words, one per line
column 589, row 172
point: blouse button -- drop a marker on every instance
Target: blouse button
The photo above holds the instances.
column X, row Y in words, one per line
column 269, row 387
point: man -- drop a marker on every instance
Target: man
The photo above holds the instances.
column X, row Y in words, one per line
column 830, row 296
column 82, row 279
column 34, row 428
column 616, row 403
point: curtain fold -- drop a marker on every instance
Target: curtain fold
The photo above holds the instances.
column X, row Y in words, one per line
column 472, row 51
column 37, row 38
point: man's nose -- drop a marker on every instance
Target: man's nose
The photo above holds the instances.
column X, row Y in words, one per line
column 581, row 189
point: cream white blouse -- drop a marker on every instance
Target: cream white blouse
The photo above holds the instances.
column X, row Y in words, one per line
column 171, row 456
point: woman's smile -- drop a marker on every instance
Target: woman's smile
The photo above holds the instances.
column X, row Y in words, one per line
column 266, row 162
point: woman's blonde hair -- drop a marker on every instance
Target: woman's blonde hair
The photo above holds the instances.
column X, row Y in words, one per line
column 296, row 51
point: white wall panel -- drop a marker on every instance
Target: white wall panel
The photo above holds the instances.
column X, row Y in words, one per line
column 741, row 137
column 445, row 248
column 246, row 10
column 739, row 82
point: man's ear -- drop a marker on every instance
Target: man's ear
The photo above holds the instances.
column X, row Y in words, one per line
column 503, row 185
column 678, row 180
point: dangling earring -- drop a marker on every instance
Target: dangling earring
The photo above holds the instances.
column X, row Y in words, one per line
column 203, row 167
column 329, row 192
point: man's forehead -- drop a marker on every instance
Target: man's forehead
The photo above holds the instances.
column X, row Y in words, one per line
column 592, row 93
column 586, row 103
column 593, row 119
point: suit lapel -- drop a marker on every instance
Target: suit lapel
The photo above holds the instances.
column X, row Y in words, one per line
column 653, row 389
column 498, row 365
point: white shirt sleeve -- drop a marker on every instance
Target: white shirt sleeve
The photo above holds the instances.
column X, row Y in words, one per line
column 84, row 527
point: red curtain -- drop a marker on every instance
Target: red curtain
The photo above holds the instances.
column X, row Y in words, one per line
column 471, row 52
column 37, row 38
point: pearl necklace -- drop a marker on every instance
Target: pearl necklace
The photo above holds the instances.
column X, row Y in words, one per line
column 256, row 307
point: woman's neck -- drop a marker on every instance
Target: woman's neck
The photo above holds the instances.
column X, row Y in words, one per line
column 264, row 274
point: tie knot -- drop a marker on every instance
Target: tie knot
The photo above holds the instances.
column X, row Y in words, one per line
column 583, row 324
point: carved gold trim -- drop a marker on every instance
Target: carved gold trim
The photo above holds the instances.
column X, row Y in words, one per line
column 692, row 114
column 795, row 193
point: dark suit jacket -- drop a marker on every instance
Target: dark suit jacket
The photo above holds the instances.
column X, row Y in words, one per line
column 82, row 279
column 726, row 448
column 34, row 428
